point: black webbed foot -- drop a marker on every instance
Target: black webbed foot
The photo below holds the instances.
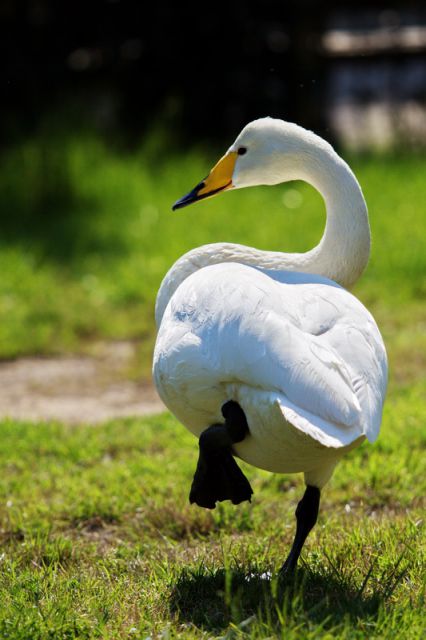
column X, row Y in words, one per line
column 239, row 487
column 218, row 476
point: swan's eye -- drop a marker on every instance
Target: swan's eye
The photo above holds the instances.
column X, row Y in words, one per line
column 241, row 151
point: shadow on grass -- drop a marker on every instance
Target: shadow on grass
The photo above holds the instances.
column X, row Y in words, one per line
column 43, row 205
column 212, row 599
column 59, row 224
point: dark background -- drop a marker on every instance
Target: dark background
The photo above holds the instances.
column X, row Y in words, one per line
column 203, row 70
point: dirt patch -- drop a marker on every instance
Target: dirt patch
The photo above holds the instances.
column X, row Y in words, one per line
column 77, row 388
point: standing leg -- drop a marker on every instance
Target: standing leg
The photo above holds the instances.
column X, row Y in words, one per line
column 218, row 477
column 306, row 516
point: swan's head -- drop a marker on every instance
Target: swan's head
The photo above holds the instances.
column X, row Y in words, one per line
column 267, row 151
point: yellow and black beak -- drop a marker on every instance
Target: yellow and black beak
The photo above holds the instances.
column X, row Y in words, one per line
column 219, row 179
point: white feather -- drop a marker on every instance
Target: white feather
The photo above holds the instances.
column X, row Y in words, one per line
column 301, row 355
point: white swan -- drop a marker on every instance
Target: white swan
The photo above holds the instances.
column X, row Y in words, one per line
column 272, row 341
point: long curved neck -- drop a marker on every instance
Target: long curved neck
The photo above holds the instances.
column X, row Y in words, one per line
column 344, row 249
column 342, row 253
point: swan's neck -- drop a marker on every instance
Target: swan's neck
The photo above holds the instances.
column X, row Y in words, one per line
column 344, row 249
column 342, row 253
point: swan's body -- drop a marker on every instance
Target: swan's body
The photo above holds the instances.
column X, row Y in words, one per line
column 301, row 356
column 274, row 332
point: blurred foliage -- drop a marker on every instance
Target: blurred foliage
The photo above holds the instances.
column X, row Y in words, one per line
column 120, row 65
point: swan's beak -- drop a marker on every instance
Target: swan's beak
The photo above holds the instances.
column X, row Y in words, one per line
column 219, row 179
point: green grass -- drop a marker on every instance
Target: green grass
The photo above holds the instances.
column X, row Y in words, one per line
column 86, row 235
column 96, row 536
column 98, row 540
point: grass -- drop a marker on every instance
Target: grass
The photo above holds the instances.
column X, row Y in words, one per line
column 96, row 536
column 98, row 540
column 86, row 235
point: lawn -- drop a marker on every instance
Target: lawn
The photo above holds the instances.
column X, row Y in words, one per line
column 97, row 536
column 98, row 539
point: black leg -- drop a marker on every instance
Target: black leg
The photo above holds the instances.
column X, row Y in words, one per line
column 306, row 515
column 218, row 477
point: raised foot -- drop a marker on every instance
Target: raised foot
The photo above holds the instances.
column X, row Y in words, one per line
column 217, row 478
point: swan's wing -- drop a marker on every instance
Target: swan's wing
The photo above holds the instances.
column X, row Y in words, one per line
column 360, row 343
column 272, row 353
column 233, row 324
